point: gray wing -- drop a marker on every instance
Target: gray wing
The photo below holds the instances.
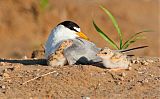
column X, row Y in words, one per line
column 82, row 52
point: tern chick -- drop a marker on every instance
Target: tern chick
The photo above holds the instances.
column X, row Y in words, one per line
column 57, row 58
column 113, row 60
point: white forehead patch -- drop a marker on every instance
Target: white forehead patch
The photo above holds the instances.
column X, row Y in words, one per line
column 78, row 29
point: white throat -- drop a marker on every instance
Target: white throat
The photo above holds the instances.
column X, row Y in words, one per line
column 57, row 35
column 62, row 33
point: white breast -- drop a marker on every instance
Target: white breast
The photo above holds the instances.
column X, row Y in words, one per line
column 57, row 35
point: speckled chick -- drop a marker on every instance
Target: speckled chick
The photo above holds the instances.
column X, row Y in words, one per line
column 112, row 59
column 57, row 58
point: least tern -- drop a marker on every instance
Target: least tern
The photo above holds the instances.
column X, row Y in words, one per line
column 79, row 51
column 63, row 31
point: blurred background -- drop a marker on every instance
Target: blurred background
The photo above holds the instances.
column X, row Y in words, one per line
column 26, row 24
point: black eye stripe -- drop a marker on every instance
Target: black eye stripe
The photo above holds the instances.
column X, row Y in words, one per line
column 72, row 28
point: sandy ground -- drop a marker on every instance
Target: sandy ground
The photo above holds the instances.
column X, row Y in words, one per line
column 31, row 78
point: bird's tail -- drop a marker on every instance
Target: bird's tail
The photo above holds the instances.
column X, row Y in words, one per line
column 131, row 49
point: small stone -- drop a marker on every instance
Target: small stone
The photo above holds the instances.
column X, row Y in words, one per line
column 129, row 68
column 123, row 74
column 130, row 80
column 140, row 81
column 16, row 67
column 157, row 78
column 146, row 81
column 151, row 75
column 103, row 73
column 140, row 72
column 24, row 57
column 1, row 78
column 5, row 70
column 137, row 62
column 38, row 69
column 121, row 79
column 3, row 86
column 56, row 74
column 118, row 83
column 130, row 64
column 84, row 97
column 2, row 63
column 9, row 80
column 150, row 61
column 6, row 75
column 144, row 63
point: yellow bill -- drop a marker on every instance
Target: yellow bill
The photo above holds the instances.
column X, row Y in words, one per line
column 82, row 35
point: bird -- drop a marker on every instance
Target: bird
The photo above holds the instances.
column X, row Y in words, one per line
column 58, row 58
column 117, row 59
column 113, row 59
column 79, row 51
column 63, row 31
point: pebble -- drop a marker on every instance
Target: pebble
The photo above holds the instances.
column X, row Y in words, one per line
column 3, row 86
column 17, row 67
column 143, row 81
column 123, row 74
column 38, row 69
column 129, row 68
column 140, row 72
column 144, row 63
column 118, row 82
column 146, row 81
column 151, row 75
column 1, row 78
column 157, row 78
column 6, row 75
column 150, row 61
column 84, row 97
column 24, row 57
column 55, row 74
column 5, row 70
column 2, row 63
column 121, row 79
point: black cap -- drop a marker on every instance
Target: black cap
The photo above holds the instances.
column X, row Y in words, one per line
column 70, row 25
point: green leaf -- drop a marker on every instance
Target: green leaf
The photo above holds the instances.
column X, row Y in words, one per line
column 44, row 3
column 133, row 41
column 114, row 23
column 132, row 37
column 105, row 36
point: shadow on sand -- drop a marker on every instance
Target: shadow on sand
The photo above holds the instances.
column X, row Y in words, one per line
column 26, row 61
column 39, row 62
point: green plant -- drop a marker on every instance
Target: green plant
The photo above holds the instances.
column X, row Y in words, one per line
column 44, row 4
column 132, row 39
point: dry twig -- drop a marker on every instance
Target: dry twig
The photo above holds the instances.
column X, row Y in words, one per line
column 38, row 77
